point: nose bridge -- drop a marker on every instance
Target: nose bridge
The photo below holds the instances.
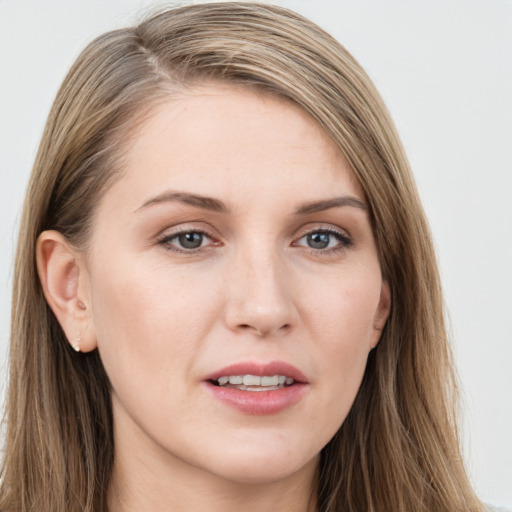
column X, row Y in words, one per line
column 260, row 298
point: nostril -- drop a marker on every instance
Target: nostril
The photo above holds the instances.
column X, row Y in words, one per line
column 285, row 327
column 264, row 331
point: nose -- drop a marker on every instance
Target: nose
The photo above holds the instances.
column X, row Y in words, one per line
column 260, row 298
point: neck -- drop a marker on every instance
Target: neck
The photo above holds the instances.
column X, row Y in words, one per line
column 187, row 490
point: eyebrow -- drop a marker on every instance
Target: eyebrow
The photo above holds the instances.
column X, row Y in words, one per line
column 215, row 205
column 203, row 202
column 327, row 204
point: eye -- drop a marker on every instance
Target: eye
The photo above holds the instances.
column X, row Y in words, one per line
column 323, row 239
column 186, row 241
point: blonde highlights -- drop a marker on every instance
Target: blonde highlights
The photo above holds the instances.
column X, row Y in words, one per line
column 398, row 449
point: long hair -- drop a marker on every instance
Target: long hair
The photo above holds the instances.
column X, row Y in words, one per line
column 398, row 448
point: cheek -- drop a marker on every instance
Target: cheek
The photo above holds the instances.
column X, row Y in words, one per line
column 342, row 323
column 148, row 317
column 344, row 309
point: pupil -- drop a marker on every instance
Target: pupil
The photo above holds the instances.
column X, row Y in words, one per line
column 191, row 240
column 318, row 240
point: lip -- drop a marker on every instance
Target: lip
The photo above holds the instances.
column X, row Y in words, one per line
column 259, row 402
column 260, row 369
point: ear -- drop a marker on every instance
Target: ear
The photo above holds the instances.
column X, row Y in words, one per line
column 65, row 285
column 381, row 315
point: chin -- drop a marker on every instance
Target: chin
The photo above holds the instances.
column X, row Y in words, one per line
column 264, row 466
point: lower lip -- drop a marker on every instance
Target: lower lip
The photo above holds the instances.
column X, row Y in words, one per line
column 259, row 402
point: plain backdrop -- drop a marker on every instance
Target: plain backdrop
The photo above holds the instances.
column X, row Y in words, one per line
column 444, row 69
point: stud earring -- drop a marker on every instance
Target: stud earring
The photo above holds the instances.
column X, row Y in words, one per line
column 76, row 344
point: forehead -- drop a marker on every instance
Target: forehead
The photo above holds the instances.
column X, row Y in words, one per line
column 232, row 142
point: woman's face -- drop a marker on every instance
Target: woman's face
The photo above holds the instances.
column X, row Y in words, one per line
column 235, row 247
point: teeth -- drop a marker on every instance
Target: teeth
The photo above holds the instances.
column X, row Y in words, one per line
column 270, row 381
column 251, row 380
column 276, row 381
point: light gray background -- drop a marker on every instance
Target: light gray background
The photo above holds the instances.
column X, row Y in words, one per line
column 445, row 71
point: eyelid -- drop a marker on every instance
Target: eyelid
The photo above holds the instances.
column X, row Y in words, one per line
column 326, row 228
column 186, row 227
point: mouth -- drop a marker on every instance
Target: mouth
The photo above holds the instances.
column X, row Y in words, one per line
column 258, row 389
column 254, row 382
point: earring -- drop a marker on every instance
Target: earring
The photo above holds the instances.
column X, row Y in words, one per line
column 76, row 344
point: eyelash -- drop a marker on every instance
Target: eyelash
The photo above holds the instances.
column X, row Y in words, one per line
column 165, row 241
column 344, row 241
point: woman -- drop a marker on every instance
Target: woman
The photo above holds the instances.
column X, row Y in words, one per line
column 226, row 292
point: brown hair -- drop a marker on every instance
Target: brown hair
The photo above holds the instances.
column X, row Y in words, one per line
column 398, row 448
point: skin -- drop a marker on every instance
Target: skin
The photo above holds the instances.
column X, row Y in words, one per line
column 163, row 316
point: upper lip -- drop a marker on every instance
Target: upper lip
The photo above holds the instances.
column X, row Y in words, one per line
column 260, row 369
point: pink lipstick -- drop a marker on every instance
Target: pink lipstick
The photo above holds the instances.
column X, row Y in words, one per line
column 258, row 388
